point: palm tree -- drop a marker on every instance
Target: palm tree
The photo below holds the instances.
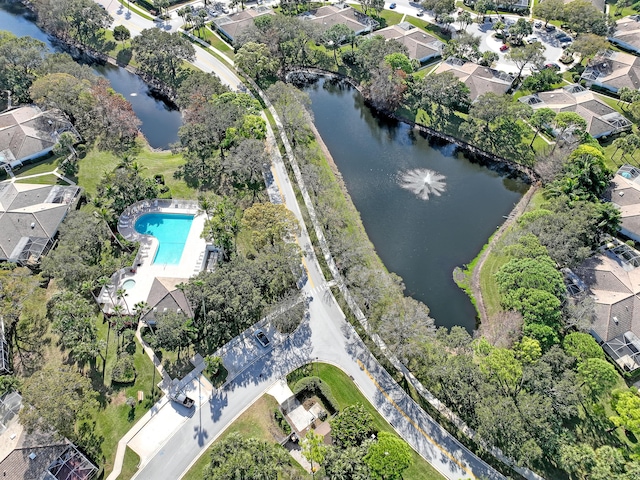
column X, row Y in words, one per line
column 618, row 143
column 121, row 293
column 106, row 214
column 141, row 308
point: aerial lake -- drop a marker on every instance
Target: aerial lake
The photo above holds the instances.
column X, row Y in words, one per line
column 160, row 122
column 426, row 208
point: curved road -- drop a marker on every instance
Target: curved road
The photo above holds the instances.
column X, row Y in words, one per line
column 325, row 336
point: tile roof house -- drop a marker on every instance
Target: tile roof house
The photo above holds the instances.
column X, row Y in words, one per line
column 420, row 45
column 164, row 297
column 613, row 279
column 27, row 133
column 627, row 34
column 30, row 215
column 230, row 26
column 37, row 456
column 613, row 70
column 330, row 15
column 602, row 120
column 479, row 79
column 624, row 193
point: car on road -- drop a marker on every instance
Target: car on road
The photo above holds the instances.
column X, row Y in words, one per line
column 555, row 66
column 420, row 13
column 262, row 338
column 504, row 48
column 392, row 6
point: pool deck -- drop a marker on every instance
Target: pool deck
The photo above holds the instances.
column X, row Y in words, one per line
column 144, row 271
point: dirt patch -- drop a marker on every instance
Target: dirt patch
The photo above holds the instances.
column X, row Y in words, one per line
column 119, row 399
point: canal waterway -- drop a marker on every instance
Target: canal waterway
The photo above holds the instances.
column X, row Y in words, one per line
column 420, row 240
column 160, row 122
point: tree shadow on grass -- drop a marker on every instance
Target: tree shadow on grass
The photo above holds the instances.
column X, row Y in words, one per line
column 124, row 56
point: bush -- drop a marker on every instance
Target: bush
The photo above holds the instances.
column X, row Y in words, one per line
column 124, row 370
column 315, row 386
column 281, row 421
column 213, row 365
column 129, row 341
column 81, row 150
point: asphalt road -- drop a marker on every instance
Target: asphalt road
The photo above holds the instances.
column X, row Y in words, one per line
column 325, row 336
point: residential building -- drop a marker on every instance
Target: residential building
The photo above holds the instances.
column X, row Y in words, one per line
column 613, row 279
column 613, row 70
column 602, row 120
column 627, row 34
column 37, row 456
column 230, row 26
column 165, row 297
column 342, row 14
column 420, row 45
column 28, row 132
column 30, row 215
column 479, row 79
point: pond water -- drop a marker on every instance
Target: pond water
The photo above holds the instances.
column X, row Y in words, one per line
column 425, row 207
column 160, row 122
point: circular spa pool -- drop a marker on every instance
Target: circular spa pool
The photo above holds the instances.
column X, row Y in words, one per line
column 129, row 284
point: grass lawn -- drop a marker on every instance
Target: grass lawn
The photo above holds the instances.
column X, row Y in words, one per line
column 130, row 465
column 257, row 421
column 430, row 28
column 216, row 42
column 97, row 163
column 43, row 180
column 48, row 164
column 346, row 393
column 488, row 284
column 386, row 18
column 114, row 417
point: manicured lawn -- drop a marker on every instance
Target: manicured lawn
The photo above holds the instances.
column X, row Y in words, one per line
column 212, row 38
column 430, row 28
column 48, row 164
column 114, row 417
column 256, row 421
column 346, row 393
column 130, row 465
column 387, row 17
column 488, row 284
column 97, row 163
column 43, row 180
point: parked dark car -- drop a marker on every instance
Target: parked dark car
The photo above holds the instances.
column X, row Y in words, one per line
column 262, row 338
column 555, row 66
column 550, row 28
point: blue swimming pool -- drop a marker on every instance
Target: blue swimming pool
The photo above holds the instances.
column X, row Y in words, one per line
column 171, row 230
